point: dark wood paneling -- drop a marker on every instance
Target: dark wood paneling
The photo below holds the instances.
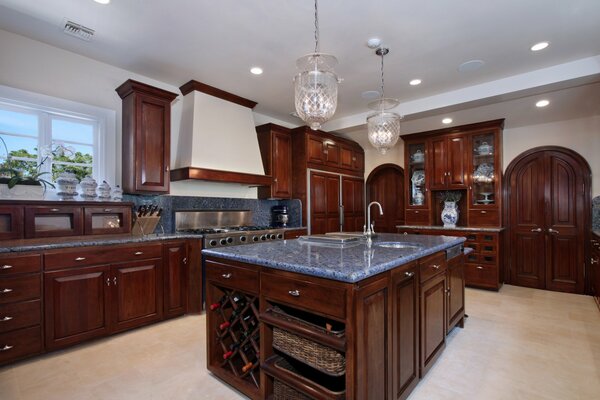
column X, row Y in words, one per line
column 438, row 163
column 456, row 292
column 71, row 214
column 385, row 184
column 19, row 264
column 195, row 279
column 231, row 276
column 352, row 200
column 15, row 288
column 20, row 343
column 205, row 174
column 94, row 255
column 215, row 92
column 457, row 162
column 20, row 315
column 11, row 222
column 294, row 233
column 275, row 145
column 175, row 264
column 123, row 213
column 325, row 202
column 433, row 321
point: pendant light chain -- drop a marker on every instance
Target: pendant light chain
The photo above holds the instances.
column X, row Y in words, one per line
column 316, row 28
column 382, row 86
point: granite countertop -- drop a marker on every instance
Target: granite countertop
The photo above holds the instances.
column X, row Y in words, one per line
column 13, row 246
column 458, row 228
column 349, row 263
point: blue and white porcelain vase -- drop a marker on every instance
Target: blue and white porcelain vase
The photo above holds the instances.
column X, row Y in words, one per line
column 450, row 214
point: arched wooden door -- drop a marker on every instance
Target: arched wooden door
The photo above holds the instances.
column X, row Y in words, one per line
column 385, row 184
column 548, row 208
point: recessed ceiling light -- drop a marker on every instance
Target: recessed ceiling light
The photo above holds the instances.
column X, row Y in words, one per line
column 472, row 65
column 542, row 103
column 102, row 1
column 447, row 121
column 373, row 43
column 539, row 46
column 370, row 95
column 256, row 70
column 415, row 82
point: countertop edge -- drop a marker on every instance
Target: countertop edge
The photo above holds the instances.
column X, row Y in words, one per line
column 458, row 228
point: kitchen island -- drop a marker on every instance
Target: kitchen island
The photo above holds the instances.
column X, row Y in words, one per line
column 296, row 319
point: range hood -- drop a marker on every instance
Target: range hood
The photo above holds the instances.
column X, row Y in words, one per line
column 217, row 139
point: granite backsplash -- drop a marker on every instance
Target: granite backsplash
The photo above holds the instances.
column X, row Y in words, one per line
column 261, row 209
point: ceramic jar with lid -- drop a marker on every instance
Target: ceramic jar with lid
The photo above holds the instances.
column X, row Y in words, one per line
column 67, row 185
column 104, row 190
column 88, row 187
column 418, row 156
column 117, row 193
column 484, row 149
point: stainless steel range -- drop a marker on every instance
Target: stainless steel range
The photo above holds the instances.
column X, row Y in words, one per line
column 225, row 228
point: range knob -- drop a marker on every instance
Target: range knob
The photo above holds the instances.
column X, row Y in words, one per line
column 212, row 243
column 280, row 236
column 255, row 238
column 272, row 236
column 263, row 237
column 223, row 242
column 229, row 240
column 243, row 239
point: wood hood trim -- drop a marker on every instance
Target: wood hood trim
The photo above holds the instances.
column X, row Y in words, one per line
column 216, row 92
column 215, row 175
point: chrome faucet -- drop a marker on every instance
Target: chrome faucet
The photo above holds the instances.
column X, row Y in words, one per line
column 369, row 229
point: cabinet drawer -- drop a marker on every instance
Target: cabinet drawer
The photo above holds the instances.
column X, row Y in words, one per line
column 241, row 278
column 60, row 259
column 488, row 248
column 484, row 218
column 18, row 264
column 481, row 275
column 303, row 294
column 49, row 221
column 107, row 220
column 21, row 343
column 432, row 265
column 19, row 315
column 417, row 217
column 472, row 245
column 23, row 287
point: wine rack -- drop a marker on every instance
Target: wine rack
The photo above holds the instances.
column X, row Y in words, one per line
column 237, row 334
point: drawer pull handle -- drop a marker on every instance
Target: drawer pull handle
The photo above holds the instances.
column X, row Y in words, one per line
column 6, row 290
column 54, row 209
column 409, row 274
column 107, row 281
column 107, row 209
column 553, row 231
column 436, row 266
column 484, row 212
column 6, row 266
column 227, row 275
column 6, row 348
column 115, row 280
column 138, row 253
column 536, row 230
column 594, row 261
column 4, row 319
column 80, row 259
column 295, row 293
column 185, row 260
column 479, row 267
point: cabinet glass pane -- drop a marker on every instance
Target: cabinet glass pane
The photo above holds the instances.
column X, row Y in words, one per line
column 483, row 174
column 107, row 221
column 47, row 223
column 416, row 164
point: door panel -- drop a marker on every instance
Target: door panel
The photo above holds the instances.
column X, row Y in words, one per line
column 324, row 202
column 438, row 163
column 282, row 163
column 352, row 199
column 152, row 148
column 457, row 162
column 387, row 187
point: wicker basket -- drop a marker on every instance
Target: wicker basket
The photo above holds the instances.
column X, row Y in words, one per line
column 322, row 358
column 281, row 391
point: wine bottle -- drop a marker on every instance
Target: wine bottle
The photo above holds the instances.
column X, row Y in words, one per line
column 227, row 355
column 224, row 325
column 218, row 304
column 247, row 367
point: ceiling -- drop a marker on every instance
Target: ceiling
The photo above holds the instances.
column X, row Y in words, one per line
column 216, row 42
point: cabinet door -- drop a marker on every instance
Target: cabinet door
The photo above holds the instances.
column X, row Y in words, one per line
column 315, row 151
column 107, row 220
column 332, row 153
column 373, row 343
column 353, row 204
column 137, row 294
column 456, row 291
column 11, row 222
column 51, row 221
column 405, row 330
column 457, row 161
column 358, row 161
column 152, row 144
column 433, row 320
column 438, row 165
column 325, row 203
column 176, row 277
column 346, row 157
column 76, row 305
column 282, row 166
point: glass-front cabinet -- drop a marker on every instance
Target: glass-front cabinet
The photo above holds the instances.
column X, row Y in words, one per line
column 483, row 170
column 416, row 174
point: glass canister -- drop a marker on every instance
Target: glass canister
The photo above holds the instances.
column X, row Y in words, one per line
column 117, row 193
column 104, row 190
column 88, row 187
column 67, row 185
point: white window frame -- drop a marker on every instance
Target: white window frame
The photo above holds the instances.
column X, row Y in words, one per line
column 104, row 120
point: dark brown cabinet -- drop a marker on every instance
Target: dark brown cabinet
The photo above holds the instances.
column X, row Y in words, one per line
column 353, row 207
column 53, row 221
column 107, row 220
column 175, row 262
column 594, row 269
column 456, row 293
column 448, row 162
column 275, row 145
column 324, row 203
column 11, row 222
column 146, row 137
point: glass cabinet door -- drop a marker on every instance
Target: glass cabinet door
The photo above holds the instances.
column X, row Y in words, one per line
column 110, row 219
column 416, row 163
column 483, row 174
column 41, row 221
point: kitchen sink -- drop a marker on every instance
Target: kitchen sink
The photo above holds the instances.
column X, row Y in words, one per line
column 399, row 245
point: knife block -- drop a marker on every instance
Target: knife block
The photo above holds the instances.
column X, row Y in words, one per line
column 144, row 226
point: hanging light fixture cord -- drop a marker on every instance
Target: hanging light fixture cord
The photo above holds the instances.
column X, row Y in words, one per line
column 316, row 27
column 382, row 92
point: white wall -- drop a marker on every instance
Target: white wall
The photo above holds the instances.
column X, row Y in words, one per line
column 580, row 135
column 374, row 158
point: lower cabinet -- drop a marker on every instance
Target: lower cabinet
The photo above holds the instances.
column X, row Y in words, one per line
column 175, row 263
column 594, row 269
column 94, row 301
column 456, row 293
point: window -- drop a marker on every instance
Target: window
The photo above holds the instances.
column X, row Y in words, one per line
column 31, row 131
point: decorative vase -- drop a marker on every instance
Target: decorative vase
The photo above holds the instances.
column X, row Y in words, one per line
column 88, row 187
column 104, row 190
column 450, row 214
column 67, row 185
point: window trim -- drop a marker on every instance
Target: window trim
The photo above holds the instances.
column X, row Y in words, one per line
column 104, row 131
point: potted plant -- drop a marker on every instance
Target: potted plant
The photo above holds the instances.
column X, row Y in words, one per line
column 18, row 181
column 450, row 211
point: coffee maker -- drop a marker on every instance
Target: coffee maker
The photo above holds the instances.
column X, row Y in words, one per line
column 280, row 217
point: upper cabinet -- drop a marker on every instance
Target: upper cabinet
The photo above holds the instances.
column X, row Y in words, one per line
column 275, row 144
column 146, row 137
column 466, row 158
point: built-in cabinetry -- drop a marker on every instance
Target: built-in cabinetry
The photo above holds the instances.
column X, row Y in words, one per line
column 594, row 270
column 294, row 233
column 275, row 144
column 20, row 306
column 328, row 177
column 326, row 339
column 465, row 158
column 11, row 222
column 146, row 137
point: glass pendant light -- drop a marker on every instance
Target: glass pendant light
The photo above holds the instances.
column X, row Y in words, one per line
column 383, row 126
column 316, row 85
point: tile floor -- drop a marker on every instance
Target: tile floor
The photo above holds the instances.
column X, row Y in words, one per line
column 519, row 344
